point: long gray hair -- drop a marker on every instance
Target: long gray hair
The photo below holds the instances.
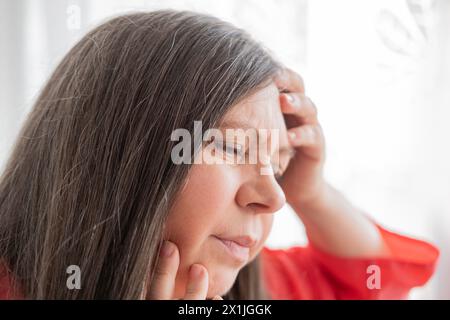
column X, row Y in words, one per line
column 90, row 180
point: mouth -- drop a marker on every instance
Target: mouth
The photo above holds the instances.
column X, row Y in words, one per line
column 237, row 247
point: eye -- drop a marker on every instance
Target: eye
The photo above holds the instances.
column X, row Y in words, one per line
column 227, row 149
column 280, row 169
column 231, row 148
column 278, row 173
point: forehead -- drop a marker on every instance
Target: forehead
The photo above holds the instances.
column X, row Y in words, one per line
column 261, row 110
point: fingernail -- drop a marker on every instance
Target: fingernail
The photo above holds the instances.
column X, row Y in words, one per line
column 217, row 298
column 195, row 271
column 290, row 98
column 167, row 249
column 292, row 135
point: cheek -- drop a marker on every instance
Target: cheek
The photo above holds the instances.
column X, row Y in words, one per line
column 203, row 203
column 266, row 226
column 204, row 207
column 200, row 209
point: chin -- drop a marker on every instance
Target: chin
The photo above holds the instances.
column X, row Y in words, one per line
column 222, row 277
column 221, row 281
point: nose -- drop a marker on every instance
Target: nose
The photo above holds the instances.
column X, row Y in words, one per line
column 261, row 194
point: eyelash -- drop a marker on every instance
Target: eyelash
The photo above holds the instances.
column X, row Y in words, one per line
column 278, row 174
column 225, row 147
column 236, row 151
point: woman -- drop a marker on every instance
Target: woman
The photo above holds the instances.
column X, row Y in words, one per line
column 92, row 183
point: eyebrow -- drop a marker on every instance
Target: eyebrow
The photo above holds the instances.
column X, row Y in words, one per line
column 237, row 124
column 287, row 150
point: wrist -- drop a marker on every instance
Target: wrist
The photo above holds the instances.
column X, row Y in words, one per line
column 314, row 201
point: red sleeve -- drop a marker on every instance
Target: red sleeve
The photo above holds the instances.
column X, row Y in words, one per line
column 309, row 273
column 9, row 289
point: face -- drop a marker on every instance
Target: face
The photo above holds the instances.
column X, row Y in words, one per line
column 224, row 213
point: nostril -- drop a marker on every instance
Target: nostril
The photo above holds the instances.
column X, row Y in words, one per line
column 259, row 208
column 268, row 207
column 262, row 195
column 278, row 202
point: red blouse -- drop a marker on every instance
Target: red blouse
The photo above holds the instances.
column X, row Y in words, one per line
column 309, row 273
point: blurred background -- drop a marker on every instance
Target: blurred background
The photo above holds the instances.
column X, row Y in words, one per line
column 378, row 71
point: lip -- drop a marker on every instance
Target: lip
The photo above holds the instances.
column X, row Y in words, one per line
column 237, row 247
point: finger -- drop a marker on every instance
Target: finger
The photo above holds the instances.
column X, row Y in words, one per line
column 288, row 80
column 163, row 282
column 306, row 136
column 299, row 105
column 197, row 287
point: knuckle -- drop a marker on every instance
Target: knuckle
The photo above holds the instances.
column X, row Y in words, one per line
column 191, row 291
column 318, row 132
column 312, row 106
column 296, row 77
column 311, row 133
column 162, row 272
